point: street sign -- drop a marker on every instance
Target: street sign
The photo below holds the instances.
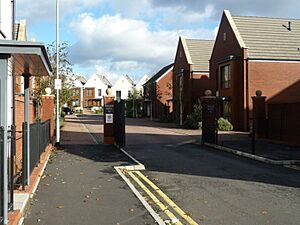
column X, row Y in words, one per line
column 57, row 84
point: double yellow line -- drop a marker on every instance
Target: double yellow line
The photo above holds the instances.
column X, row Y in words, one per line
column 135, row 174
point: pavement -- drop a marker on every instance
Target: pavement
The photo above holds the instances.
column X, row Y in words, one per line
column 81, row 186
column 263, row 147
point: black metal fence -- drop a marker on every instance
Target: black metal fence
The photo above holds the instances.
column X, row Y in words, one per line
column 39, row 139
column 119, row 122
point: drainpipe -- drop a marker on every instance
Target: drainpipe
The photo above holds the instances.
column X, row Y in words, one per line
column 13, row 126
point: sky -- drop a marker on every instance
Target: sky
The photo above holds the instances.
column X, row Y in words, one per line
column 134, row 37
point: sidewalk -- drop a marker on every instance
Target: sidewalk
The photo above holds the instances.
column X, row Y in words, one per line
column 80, row 185
column 263, row 148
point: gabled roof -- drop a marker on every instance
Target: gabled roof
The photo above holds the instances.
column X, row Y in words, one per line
column 82, row 79
column 129, row 80
column 267, row 38
column 198, row 53
column 104, row 80
column 159, row 74
column 143, row 80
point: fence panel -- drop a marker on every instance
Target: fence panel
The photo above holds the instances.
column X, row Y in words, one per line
column 39, row 139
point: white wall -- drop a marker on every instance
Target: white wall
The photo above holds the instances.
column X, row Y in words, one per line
column 122, row 85
column 96, row 82
column 6, row 18
column 6, row 28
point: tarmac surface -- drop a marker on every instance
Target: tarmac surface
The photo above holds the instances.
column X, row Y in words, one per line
column 213, row 187
column 80, row 185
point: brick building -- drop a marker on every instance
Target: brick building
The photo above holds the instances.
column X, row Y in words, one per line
column 255, row 53
column 190, row 75
column 158, row 94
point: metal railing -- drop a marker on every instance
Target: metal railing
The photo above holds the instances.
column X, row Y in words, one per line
column 38, row 141
column 1, row 175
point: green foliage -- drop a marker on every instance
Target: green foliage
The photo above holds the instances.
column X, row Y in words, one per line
column 134, row 104
column 65, row 74
column 224, row 125
column 192, row 121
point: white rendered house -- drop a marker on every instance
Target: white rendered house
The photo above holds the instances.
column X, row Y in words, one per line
column 123, row 87
column 139, row 85
column 95, row 89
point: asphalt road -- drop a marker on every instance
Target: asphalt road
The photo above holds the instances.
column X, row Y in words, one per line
column 214, row 187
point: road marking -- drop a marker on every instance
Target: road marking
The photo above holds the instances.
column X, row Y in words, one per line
column 156, row 200
column 167, row 199
column 139, row 196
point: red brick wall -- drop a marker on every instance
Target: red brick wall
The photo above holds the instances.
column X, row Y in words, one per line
column 164, row 93
column 47, row 113
column 194, row 84
column 279, row 81
column 180, row 64
column 222, row 51
column 19, row 121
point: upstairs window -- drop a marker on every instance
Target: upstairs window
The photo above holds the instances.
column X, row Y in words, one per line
column 89, row 92
column 118, row 94
column 225, row 76
column 99, row 92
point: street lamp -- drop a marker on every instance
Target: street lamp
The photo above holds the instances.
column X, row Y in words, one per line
column 57, row 81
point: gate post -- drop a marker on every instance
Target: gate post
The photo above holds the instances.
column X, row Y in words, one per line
column 108, row 116
column 259, row 114
column 209, row 118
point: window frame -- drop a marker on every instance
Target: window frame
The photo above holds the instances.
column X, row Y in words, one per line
column 225, row 78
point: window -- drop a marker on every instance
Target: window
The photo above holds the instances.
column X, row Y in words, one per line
column 227, row 109
column 129, row 93
column 99, row 92
column 225, row 76
column 118, row 94
column 89, row 92
column 224, row 36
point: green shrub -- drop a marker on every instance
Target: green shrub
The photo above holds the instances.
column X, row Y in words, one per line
column 224, row 125
column 192, row 121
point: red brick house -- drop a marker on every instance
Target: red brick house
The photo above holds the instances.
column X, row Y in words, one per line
column 190, row 75
column 158, row 94
column 255, row 53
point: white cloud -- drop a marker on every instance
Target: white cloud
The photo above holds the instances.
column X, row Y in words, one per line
column 125, row 44
column 41, row 10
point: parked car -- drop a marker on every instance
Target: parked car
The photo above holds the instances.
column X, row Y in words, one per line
column 67, row 110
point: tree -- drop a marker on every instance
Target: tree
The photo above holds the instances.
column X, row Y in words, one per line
column 65, row 74
column 134, row 103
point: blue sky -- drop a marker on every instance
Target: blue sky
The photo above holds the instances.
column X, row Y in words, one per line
column 135, row 37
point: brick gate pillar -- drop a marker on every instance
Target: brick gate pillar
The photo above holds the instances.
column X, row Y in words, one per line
column 47, row 112
column 209, row 118
column 108, row 115
column 259, row 114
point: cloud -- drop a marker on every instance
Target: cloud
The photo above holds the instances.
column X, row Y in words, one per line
column 41, row 10
column 275, row 8
column 126, row 43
